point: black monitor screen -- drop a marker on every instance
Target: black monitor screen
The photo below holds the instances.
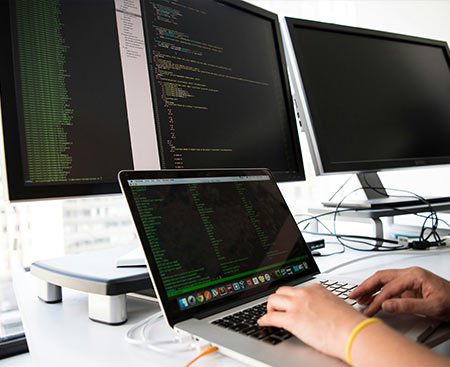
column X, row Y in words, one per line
column 84, row 96
column 376, row 100
column 64, row 109
column 219, row 87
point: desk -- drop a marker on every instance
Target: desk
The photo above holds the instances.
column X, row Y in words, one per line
column 62, row 334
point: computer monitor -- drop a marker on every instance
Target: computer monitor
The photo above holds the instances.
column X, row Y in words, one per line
column 91, row 87
column 370, row 100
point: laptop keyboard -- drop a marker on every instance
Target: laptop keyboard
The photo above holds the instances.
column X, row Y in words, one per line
column 341, row 290
column 245, row 321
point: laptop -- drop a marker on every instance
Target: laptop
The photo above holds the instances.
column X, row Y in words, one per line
column 217, row 243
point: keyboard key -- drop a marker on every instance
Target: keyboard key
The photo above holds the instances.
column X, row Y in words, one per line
column 260, row 334
column 272, row 340
column 282, row 334
column 350, row 286
column 239, row 327
column 250, row 330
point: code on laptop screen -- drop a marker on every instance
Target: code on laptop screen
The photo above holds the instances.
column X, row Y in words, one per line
column 217, row 236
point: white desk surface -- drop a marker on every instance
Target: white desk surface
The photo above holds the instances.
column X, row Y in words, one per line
column 61, row 334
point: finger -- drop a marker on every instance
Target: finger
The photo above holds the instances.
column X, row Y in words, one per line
column 405, row 305
column 408, row 294
column 365, row 300
column 374, row 283
column 393, row 289
column 278, row 302
column 277, row 319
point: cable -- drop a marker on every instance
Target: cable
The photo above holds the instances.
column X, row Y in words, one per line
column 321, row 254
column 424, row 240
column 315, row 217
column 433, row 214
column 177, row 344
column 340, row 188
column 311, row 217
column 405, row 211
column 326, row 214
column 346, row 237
column 208, row 350
column 336, row 235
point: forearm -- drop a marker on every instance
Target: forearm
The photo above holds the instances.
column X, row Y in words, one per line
column 379, row 345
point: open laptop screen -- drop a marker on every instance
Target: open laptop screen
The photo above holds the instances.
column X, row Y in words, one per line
column 215, row 237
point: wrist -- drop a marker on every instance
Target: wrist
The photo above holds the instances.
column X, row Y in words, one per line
column 359, row 328
column 345, row 332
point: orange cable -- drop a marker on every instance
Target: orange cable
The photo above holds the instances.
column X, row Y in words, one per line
column 206, row 351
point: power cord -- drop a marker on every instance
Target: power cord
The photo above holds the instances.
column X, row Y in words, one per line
column 138, row 335
column 207, row 350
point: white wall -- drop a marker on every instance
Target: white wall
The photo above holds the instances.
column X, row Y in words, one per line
column 426, row 18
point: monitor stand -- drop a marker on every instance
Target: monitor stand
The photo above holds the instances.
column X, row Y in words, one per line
column 378, row 198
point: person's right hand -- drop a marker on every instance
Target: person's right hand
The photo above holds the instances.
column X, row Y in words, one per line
column 412, row 290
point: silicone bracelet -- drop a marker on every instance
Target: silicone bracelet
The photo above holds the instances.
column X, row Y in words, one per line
column 354, row 333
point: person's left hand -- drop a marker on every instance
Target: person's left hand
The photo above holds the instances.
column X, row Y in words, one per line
column 314, row 315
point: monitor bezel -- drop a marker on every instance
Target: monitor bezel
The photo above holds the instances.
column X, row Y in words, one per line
column 321, row 166
column 174, row 317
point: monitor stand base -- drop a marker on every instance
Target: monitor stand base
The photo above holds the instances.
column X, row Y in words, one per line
column 378, row 198
column 386, row 203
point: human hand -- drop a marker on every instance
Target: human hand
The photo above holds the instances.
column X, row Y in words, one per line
column 314, row 315
column 412, row 290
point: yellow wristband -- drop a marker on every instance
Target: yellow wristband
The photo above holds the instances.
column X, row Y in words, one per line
column 354, row 333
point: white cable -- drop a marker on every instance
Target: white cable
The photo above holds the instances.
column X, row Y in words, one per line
column 175, row 345
column 390, row 253
column 129, row 336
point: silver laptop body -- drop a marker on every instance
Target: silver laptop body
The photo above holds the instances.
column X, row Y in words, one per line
column 207, row 234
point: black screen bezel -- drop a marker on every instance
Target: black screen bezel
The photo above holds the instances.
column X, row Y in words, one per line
column 294, row 25
column 174, row 317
